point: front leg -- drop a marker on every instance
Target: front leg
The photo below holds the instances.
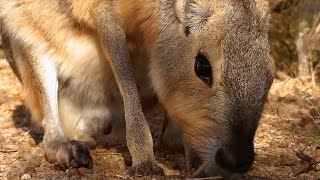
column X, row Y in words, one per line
column 57, row 148
column 138, row 135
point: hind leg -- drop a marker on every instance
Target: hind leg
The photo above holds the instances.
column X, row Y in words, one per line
column 40, row 83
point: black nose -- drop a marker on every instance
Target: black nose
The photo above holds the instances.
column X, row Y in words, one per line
column 238, row 161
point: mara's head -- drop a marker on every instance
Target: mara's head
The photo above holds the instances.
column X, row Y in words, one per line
column 211, row 70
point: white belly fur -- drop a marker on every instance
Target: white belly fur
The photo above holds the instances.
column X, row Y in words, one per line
column 89, row 98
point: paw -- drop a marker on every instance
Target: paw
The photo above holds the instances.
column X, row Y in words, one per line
column 146, row 169
column 72, row 154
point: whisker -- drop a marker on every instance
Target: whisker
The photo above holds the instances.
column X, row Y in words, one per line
column 192, row 127
column 207, row 148
column 201, row 132
column 205, row 142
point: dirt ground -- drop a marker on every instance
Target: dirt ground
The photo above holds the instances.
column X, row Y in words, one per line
column 287, row 142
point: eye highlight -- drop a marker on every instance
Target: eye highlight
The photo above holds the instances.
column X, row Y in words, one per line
column 203, row 70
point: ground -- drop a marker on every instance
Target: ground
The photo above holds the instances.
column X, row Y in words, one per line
column 287, row 142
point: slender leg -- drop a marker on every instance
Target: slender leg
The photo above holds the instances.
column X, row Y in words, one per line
column 138, row 134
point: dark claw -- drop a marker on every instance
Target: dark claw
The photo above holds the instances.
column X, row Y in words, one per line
column 74, row 154
column 81, row 154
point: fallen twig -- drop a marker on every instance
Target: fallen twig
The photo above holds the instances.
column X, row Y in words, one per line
column 7, row 151
column 308, row 163
column 304, row 168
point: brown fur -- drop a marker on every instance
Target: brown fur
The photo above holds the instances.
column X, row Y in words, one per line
column 101, row 54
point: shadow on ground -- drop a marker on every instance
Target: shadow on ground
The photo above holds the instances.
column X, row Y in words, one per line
column 22, row 119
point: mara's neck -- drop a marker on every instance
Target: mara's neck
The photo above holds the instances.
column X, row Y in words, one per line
column 144, row 20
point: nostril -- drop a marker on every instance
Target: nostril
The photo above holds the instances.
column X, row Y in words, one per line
column 219, row 155
column 244, row 166
column 240, row 163
column 245, row 161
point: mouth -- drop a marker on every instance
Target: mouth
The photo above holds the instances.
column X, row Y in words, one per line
column 196, row 166
column 200, row 169
column 200, row 174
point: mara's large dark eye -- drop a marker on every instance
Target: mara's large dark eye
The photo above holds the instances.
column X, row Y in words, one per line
column 203, row 70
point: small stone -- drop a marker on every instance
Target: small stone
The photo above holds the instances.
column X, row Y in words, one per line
column 25, row 177
column 32, row 142
column 126, row 177
column 26, row 129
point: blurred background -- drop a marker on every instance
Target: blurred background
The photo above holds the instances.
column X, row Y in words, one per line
column 295, row 36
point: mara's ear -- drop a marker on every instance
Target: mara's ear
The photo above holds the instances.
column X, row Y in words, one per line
column 194, row 14
column 258, row 10
column 263, row 13
column 182, row 9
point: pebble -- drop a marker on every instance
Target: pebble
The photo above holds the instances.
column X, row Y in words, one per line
column 26, row 129
column 126, row 177
column 25, row 177
column 32, row 142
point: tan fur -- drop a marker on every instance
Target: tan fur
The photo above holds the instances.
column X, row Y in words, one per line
column 32, row 96
column 89, row 65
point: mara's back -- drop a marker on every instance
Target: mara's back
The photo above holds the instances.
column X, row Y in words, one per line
column 64, row 33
